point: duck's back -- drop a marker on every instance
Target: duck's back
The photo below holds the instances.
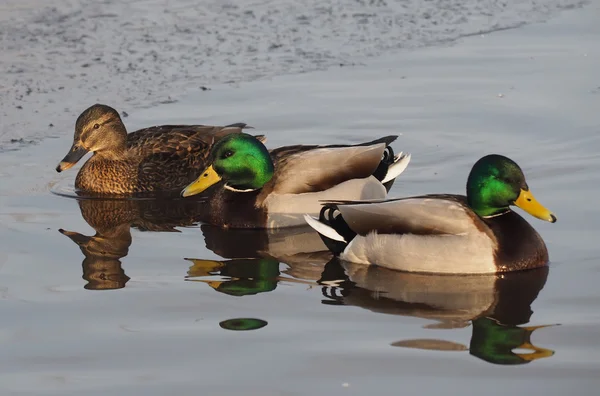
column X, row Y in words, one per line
column 178, row 145
column 169, row 157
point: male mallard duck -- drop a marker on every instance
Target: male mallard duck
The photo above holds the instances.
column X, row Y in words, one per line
column 262, row 189
column 443, row 233
column 159, row 158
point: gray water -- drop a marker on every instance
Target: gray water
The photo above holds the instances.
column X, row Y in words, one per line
column 155, row 305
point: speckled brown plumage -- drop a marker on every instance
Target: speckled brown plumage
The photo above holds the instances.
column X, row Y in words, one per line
column 157, row 159
column 163, row 158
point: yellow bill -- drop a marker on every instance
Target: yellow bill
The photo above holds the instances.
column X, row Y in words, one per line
column 208, row 178
column 204, row 267
column 214, row 284
column 529, row 204
column 537, row 352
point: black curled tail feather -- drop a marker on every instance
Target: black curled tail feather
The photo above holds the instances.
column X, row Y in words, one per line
column 387, row 160
column 331, row 216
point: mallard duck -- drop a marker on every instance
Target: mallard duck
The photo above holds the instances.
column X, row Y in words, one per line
column 258, row 188
column 476, row 233
column 159, row 158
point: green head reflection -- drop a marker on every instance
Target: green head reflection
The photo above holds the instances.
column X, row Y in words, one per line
column 241, row 277
column 500, row 344
column 491, row 341
column 243, row 324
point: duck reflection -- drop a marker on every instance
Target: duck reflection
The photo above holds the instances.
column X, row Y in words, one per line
column 113, row 220
column 494, row 305
column 255, row 259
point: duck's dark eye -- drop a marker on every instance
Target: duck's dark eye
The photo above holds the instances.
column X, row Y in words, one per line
column 96, row 126
column 227, row 154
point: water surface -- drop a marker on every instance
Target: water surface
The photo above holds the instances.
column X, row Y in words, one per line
column 110, row 297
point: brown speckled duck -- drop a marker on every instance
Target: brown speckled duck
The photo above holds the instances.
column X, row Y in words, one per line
column 155, row 159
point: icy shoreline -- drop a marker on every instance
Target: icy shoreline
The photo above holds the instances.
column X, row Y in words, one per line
column 59, row 59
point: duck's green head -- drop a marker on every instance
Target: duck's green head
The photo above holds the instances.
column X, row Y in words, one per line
column 495, row 183
column 240, row 160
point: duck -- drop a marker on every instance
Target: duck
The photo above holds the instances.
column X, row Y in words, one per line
column 443, row 233
column 156, row 159
column 253, row 187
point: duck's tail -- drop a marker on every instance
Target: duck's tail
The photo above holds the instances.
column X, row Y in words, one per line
column 391, row 166
column 332, row 228
column 396, row 165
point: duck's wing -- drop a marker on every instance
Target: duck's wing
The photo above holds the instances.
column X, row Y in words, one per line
column 425, row 215
column 303, row 169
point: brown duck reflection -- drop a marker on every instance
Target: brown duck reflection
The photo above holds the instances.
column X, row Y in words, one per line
column 496, row 306
column 113, row 220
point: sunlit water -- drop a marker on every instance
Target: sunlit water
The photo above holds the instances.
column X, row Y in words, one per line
column 133, row 297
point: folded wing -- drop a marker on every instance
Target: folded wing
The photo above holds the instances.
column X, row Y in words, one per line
column 320, row 168
column 426, row 215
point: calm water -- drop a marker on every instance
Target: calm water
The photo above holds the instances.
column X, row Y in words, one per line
column 133, row 298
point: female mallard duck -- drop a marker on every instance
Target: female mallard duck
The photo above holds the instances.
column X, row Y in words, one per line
column 443, row 233
column 159, row 158
column 262, row 189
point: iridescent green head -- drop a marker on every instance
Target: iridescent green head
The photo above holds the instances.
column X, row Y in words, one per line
column 495, row 183
column 241, row 160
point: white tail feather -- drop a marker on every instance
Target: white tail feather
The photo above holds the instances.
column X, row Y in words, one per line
column 400, row 163
column 323, row 229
